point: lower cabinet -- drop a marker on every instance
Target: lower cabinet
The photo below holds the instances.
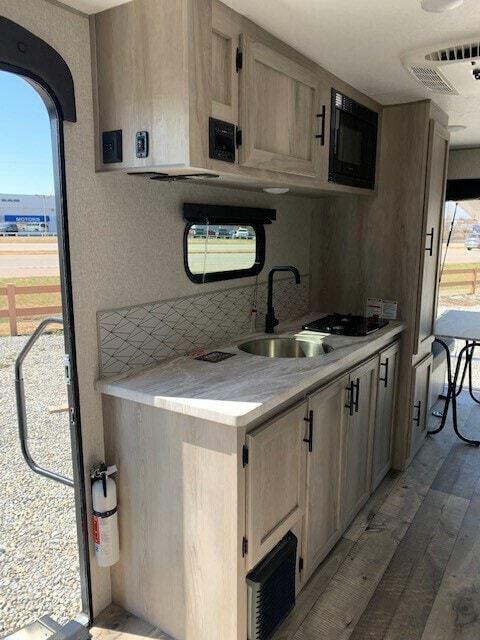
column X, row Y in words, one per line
column 323, row 523
column 275, row 481
column 385, row 413
column 311, row 468
column 356, row 481
column 420, row 401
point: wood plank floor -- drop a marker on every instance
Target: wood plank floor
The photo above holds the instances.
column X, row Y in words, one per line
column 408, row 568
column 410, row 561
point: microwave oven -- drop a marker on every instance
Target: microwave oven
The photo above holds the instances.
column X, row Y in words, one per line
column 353, row 143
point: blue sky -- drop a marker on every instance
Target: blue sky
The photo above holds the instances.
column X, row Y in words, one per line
column 25, row 143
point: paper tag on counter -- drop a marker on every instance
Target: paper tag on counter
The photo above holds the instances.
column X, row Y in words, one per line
column 389, row 309
column 377, row 307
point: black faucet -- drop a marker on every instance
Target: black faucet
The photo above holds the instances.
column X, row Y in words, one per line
column 270, row 320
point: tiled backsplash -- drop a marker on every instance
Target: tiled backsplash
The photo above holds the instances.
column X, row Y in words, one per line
column 138, row 336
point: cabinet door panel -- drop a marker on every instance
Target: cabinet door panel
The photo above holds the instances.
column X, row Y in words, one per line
column 385, row 414
column 420, row 399
column 324, row 472
column 275, row 481
column 358, row 440
column 279, row 103
column 433, row 228
column 225, row 41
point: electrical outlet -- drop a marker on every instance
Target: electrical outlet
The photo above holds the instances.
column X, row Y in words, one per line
column 112, row 150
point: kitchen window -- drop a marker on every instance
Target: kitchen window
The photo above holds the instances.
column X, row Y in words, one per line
column 223, row 251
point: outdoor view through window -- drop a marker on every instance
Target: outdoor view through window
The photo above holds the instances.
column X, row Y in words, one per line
column 460, row 269
column 220, row 248
column 39, row 565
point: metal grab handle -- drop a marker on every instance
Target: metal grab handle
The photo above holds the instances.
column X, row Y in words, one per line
column 321, row 136
column 309, row 439
column 385, row 379
column 418, row 406
column 351, row 402
column 357, row 394
column 430, row 248
column 21, row 410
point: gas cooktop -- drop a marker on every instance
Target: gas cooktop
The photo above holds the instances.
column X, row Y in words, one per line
column 346, row 325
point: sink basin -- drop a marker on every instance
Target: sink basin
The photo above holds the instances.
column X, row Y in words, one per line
column 286, row 348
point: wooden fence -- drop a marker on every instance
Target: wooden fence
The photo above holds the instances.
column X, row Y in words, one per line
column 472, row 282
column 13, row 312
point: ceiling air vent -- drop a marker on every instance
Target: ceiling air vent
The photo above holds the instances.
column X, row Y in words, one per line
column 459, row 52
column 432, row 80
column 451, row 68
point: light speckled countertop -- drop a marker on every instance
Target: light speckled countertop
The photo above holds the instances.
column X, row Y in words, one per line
column 246, row 388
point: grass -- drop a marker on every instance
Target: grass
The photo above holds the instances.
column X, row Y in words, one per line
column 27, row 325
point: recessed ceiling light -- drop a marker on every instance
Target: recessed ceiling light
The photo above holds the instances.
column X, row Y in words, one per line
column 276, row 191
column 438, row 6
column 453, row 128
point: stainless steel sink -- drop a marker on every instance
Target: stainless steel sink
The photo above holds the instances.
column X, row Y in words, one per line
column 286, row 348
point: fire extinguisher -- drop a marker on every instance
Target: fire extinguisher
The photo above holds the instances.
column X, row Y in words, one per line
column 105, row 522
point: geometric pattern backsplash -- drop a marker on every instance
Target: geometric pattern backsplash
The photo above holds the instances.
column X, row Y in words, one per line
column 134, row 337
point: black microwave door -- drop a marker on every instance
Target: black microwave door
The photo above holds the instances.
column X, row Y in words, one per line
column 354, row 148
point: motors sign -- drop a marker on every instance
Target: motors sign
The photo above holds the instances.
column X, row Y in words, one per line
column 26, row 219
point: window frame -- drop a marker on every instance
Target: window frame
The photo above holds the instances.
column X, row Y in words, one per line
column 216, row 276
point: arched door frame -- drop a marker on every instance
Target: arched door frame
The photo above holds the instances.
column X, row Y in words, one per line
column 26, row 55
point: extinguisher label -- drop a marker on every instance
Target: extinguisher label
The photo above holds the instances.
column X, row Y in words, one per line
column 96, row 530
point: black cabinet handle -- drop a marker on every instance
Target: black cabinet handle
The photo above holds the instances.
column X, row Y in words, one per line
column 309, row 439
column 350, row 404
column 321, row 136
column 430, row 235
column 385, row 379
column 357, row 394
column 418, row 407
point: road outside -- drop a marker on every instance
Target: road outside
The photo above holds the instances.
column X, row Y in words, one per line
column 21, row 259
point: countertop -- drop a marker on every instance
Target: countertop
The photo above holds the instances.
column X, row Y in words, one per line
column 245, row 388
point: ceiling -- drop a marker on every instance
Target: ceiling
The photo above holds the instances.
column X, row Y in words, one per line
column 361, row 41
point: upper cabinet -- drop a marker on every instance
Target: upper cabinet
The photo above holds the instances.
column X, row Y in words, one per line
column 188, row 87
column 280, row 106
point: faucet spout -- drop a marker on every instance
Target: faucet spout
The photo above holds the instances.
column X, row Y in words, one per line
column 270, row 319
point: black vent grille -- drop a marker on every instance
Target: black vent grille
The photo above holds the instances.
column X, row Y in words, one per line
column 271, row 589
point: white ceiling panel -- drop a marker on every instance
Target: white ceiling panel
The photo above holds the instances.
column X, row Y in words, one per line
column 92, row 6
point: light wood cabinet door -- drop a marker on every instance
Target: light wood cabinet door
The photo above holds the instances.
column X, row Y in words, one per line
column 385, row 414
column 437, row 166
column 360, row 404
column 420, row 399
column 323, row 525
column 279, row 107
column 275, row 481
column 225, row 44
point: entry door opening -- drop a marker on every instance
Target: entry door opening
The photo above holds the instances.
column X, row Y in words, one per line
column 43, row 542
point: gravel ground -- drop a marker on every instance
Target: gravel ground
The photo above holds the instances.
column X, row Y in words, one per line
column 38, row 548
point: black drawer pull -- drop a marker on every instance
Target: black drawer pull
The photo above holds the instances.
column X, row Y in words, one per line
column 321, row 136
column 430, row 235
column 385, row 379
column 309, row 439
column 350, row 404
column 357, row 394
column 418, row 407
